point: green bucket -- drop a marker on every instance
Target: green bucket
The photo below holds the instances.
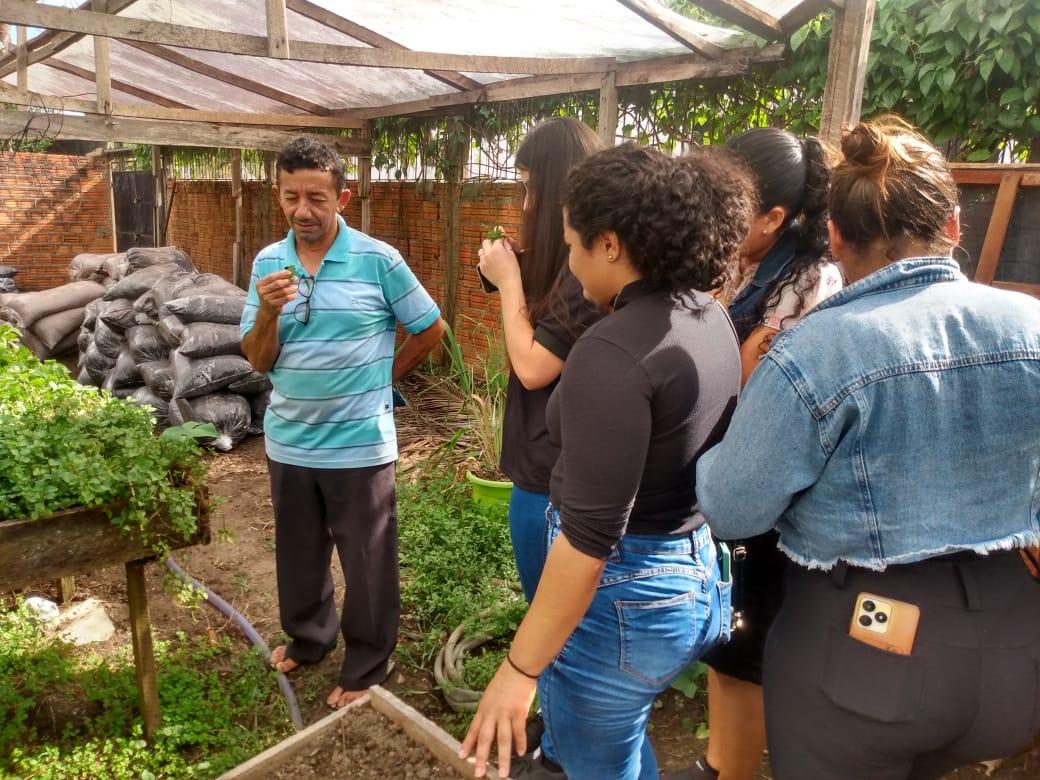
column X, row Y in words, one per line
column 489, row 491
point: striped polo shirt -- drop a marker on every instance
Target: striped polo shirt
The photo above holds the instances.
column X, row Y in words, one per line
column 331, row 406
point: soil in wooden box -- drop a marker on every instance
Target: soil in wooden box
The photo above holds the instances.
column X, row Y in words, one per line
column 365, row 746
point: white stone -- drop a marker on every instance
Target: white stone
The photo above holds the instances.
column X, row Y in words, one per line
column 86, row 623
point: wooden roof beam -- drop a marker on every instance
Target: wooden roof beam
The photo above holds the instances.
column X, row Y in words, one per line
column 806, row 11
column 673, row 24
column 122, row 86
column 91, row 23
column 746, row 16
column 19, row 97
column 685, row 66
column 143, row 131
column 227, row 77
column 51, row 42
column 372, row 38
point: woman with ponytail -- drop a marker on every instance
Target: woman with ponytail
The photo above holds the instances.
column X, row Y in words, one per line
column 783, row 272
column 892, row 441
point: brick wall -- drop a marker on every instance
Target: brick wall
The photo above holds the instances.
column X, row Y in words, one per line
column 52, row 208
column 408, row 216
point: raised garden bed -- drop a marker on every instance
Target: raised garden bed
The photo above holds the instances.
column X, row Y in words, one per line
column 377, row 736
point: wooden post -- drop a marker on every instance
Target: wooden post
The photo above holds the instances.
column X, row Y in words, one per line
column 22, row 57
column 66, row 589
column 365, row 183
column 237, row 263
column 846, row 68
column 102, row 71
column 144, row 656
column 277, row 30
column 608, row 108
column 458, row 153
column 266, row 198
column 996, row 231
column 159, row 174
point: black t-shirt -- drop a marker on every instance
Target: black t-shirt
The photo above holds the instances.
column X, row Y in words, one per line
column 645, row 391
column 527, row 453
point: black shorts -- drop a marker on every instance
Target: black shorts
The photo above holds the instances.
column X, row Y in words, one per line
column 757, row 595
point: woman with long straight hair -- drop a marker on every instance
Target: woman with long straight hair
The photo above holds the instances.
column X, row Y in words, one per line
column 543, row 314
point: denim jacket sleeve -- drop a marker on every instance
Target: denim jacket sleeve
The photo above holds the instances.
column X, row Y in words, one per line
column 771, row 452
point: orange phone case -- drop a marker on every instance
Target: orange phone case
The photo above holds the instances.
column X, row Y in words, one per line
column 885, row 623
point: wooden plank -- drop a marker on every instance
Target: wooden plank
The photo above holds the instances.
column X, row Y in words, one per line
column 846, row 68
column 122, row 86
column 458, row 155
column 228, row 77
column 745, row 15
column 102, row 65
column 424, row 731
column 686, row 66
column 51, row 42
column 674, row 25
column 262, row 765
column 70, row 542
column 159, row 210
column 993, row 173
column 238, row 272
column 277, row 30
column 1022, row 287
column 144, row 654
column 805, row 12
column 21, row 53
column 65, row 587
column 992, row 245
column 365, row 184
column 372, row 38
column 11, row 95
column 91, row 23
column 143, row 131
column 608, row 108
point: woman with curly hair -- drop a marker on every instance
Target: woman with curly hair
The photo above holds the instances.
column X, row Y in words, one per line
column 543, row 314
column 783, row 273
column 630, row 593
column 907, row 409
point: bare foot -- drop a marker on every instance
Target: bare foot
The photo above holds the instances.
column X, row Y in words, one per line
column 341, row 698
column 279, row 660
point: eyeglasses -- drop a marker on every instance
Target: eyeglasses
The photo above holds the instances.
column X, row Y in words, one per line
column 304, row 288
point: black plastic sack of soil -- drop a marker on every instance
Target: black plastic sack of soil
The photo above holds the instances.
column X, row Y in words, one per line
column 146, row 397
column 145, row 257
column 118, row 314
column 84, row 378
column 258, row 405
column 55, row 328
column 171, row 327
column 208, row 308
column 230, row 413
column 147, row 344
column 97, row 365
column 158, row 377
column 210, row 284
column 90, row 313
column 138, row 283
column 123, row 392
column 125, row 373
column 7, row 271
column 251, row 385
column 193, row 377
column 113, row 268
column 8, row 284
column 24, row 309
column 207, row 339
column 146, row 305
column 84, row 341
column 170, row 287
column 109, row 342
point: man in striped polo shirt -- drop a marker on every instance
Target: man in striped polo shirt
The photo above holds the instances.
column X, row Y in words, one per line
column 320, row 319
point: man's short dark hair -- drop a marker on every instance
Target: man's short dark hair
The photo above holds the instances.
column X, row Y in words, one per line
column 310, row 154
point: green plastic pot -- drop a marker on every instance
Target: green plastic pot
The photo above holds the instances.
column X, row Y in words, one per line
column 489, row 491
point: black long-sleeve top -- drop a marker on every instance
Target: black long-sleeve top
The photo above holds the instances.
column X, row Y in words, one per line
column 644, row 392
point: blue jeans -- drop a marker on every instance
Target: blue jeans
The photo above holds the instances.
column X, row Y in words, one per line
column 527, row 529
column 658, row 607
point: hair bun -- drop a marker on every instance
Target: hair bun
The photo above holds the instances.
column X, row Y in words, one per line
column 866, row 147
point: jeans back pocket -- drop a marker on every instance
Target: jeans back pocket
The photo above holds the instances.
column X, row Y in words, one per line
column 660, row 638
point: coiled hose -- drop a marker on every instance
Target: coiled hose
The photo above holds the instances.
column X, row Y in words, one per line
column 244, row 625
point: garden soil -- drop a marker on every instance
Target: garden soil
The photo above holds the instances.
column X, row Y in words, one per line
column 241, row 569
column 360, row 747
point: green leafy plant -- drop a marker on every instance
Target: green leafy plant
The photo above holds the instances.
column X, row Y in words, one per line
column 65, row 445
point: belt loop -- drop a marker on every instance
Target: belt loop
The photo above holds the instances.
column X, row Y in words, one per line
column 839, row 574
column 970, row 584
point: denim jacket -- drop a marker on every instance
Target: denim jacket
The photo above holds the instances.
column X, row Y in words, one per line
column 745, row 311
column 898, row 421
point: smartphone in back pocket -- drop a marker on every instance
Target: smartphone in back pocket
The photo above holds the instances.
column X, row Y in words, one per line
column 885, row 623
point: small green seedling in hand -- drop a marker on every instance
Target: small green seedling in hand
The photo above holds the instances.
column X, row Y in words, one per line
column 293, row 276
column 495, row 234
